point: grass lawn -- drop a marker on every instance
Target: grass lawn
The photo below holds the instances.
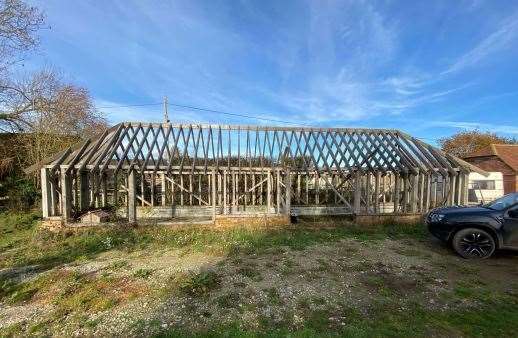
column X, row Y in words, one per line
column 346, row 281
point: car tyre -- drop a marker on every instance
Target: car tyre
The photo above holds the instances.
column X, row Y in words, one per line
column 472, row 243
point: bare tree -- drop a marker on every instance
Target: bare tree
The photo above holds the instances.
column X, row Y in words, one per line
column 42, row 102
column 19, row 23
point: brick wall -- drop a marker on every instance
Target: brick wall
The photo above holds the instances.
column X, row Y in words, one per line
column 491, row 163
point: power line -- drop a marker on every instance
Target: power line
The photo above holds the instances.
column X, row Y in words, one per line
column 224, row 113
column 202, row 109
column 132, row 105
column 232, row 114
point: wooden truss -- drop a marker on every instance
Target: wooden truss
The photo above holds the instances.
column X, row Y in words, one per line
column 226, row 169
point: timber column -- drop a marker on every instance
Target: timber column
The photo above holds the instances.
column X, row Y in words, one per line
column 46, row 194
column 132, row 197
column 287, row 204
column 84, row 191
column 357, row 193
column 66, row 194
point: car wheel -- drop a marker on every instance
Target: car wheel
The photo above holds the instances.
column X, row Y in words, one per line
column 474, row 243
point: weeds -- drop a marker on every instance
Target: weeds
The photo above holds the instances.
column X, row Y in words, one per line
column 195, row 284
column 143, row 273
column 28, row 246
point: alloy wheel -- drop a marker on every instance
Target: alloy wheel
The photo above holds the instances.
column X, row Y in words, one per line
column 476, row 244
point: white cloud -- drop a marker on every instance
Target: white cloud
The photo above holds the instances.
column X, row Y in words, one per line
column 504, row 37
column 497, row 128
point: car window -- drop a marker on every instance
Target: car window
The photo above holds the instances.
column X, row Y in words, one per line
column 503, row 202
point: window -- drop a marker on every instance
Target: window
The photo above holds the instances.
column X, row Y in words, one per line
column 484, row 185
column 503, row 202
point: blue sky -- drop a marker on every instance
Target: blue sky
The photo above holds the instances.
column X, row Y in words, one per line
column 429, row 68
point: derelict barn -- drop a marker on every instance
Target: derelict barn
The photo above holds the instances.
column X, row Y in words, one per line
column 175, row 171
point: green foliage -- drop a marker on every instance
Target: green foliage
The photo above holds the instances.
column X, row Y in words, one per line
column 196, row 284
column 21, row 192
column 15, row 229
column 143, row 273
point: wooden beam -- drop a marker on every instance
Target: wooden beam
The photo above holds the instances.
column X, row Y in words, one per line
column 132, row 197
column 46, row 193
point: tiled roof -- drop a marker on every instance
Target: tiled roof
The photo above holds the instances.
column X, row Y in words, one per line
column 508, row 153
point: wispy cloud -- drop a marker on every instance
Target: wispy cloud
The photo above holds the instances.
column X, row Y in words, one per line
column 465, row 125
column 499, row 40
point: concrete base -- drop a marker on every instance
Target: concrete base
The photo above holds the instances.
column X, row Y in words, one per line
column 380, row 219
column 265, row 220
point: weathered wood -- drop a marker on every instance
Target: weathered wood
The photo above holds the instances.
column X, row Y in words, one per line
column 414, row 194
column 357, row 193
column 66, row 194
column 84, row 191
column 377, row 192
column 397, row 193
column 46, row 193
column 287, row 205
column 213, row 192
column 132, row 197
column 163, row 188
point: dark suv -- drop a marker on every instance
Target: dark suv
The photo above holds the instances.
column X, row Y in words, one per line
column 476, row 232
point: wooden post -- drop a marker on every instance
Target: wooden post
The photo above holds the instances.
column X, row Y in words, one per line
column 451, row 192
column 46, row 194
column 433, row 191
column 66, row 195
column 377, row 192
column 465, row 187
column 152, row 189
column 287, row 206
column 422, row 182
column 181, row 190
column 460, row 189
column 132, row 198
column 225, row 210
column 397, row 192
column 268, row 191
column 163, row 187
column 234, row 181
column 368, row 193
column 278, row 191
column 115, row 191
column 104, row 196
column 95, row 190
column 357, row 192
column 404, row 206
column 213, row 192
column 413, row 196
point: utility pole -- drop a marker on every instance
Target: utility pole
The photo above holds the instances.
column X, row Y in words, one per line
column 166, row 115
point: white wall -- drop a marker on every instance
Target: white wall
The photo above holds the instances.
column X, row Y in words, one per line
column 477, row 195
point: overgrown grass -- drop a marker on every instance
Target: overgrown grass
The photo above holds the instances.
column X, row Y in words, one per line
column 23, row 245
column 15, row 228
column 195, row 284
column 70, row 291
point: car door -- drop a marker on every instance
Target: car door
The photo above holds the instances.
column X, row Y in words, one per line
column 510, row 227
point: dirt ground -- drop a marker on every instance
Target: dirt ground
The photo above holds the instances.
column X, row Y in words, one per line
column 324, row 285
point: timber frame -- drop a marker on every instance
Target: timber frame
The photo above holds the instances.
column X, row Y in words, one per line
column 168, row 171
